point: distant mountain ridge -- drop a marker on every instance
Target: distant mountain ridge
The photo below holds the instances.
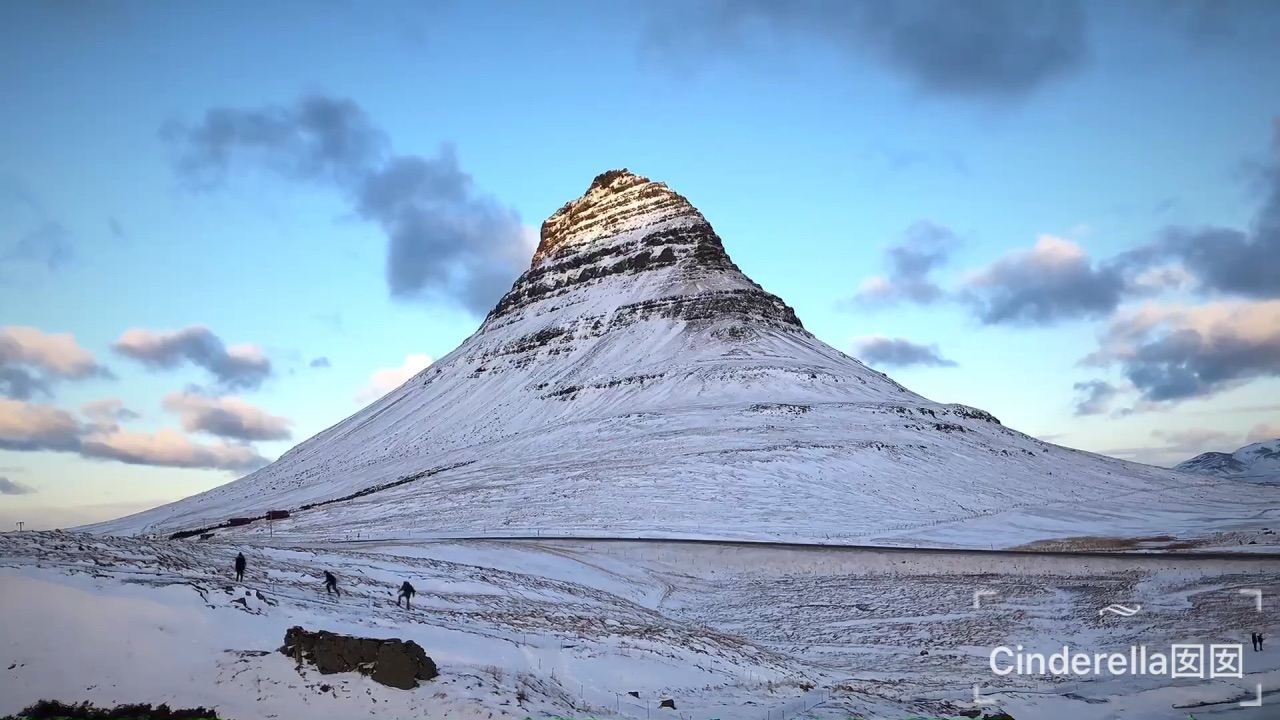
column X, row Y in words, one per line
column 634, row 381
column 1257, row 462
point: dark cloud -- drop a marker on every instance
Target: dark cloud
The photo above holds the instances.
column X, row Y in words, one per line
column 1055, row 280
column 12, row 487
column 1174, row 353
column 226, row 417
column 1222, row 260
column 1095, row 397
column 444, row 237
column 20, row 384
column 980, row 48
column 321, row 362
column 924, row 248
column 1210, row 24
column 898, row 352
column 1228, row 261
column 317, row 138
column 235, row 367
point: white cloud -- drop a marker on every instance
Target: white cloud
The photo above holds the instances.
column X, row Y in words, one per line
column 1263, row 431
column 170, row 448
column 28, row 426
column 56, row 352
column 31, row 359
column 1176, row 352
column 384, row 380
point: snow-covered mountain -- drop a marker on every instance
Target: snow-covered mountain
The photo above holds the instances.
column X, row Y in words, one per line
column 1259, row 462
column 635, row 381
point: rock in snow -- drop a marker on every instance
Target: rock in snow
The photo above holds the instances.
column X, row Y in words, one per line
column 634, row 381
column 394, row 663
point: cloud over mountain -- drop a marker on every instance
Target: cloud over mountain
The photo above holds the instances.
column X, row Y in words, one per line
column 444, row 237
column 984, row 49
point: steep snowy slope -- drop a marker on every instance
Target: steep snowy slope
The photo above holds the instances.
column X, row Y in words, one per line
column 635, row 381
column 1259, row 462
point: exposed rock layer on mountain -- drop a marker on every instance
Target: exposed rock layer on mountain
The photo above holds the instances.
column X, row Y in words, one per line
column 634, row 381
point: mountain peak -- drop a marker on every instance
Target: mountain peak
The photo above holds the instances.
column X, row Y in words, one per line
column 607, row 178
column 631, row 248
column 617, row 202
column 1258, row 462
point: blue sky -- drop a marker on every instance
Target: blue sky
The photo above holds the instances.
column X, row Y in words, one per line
column 1082, row 193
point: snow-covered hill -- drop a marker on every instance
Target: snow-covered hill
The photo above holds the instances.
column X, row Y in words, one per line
column 1259, row 462
column 635, row 381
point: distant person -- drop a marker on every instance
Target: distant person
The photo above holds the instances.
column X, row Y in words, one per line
column 406, row 592
column 240, row 563
column 1253, row 638
column 331, row 583
column 1261, row 637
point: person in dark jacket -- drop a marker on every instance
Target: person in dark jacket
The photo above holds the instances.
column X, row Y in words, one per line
column 240, row 563
column 331, row 583
column 406, row 592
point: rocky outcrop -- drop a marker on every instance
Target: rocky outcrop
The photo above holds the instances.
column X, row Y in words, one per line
column 627, row 226
column 395, row 663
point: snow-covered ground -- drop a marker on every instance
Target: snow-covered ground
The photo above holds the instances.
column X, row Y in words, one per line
column 545, row 628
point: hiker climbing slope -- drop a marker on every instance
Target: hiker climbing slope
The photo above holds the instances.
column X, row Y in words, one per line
column 406, row 592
